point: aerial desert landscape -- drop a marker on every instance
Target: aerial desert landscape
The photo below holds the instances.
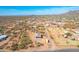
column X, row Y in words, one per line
column 39, row 32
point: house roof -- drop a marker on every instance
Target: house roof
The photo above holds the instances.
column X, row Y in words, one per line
column 2, row 36
column 38, row 34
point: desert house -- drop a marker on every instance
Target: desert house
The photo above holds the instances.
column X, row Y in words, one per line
column 3, row 37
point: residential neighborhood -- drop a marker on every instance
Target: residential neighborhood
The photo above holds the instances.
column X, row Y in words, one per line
column 39, row 32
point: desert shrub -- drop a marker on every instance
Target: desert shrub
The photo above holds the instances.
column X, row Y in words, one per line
column 1, row 29
column 70, row 24
column 73, row 39
column 14, row 46
column 21, row 46
column 68, row 34
column 31, row 45
column 41, row 29
column 78, row 46
column 67, row 42
column 38, row 44
column 24, row 41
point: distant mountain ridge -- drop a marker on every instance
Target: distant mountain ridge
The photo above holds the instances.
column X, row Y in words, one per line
column 72, row 12
column 71, row 15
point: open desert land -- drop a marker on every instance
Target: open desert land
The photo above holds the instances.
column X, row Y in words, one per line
column 39, row 32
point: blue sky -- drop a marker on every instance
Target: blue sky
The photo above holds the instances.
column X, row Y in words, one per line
column 35, row 10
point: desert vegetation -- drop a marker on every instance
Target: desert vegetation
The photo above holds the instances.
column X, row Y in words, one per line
column 38, row 32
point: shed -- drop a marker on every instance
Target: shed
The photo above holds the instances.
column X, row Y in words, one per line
column 38, row 35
